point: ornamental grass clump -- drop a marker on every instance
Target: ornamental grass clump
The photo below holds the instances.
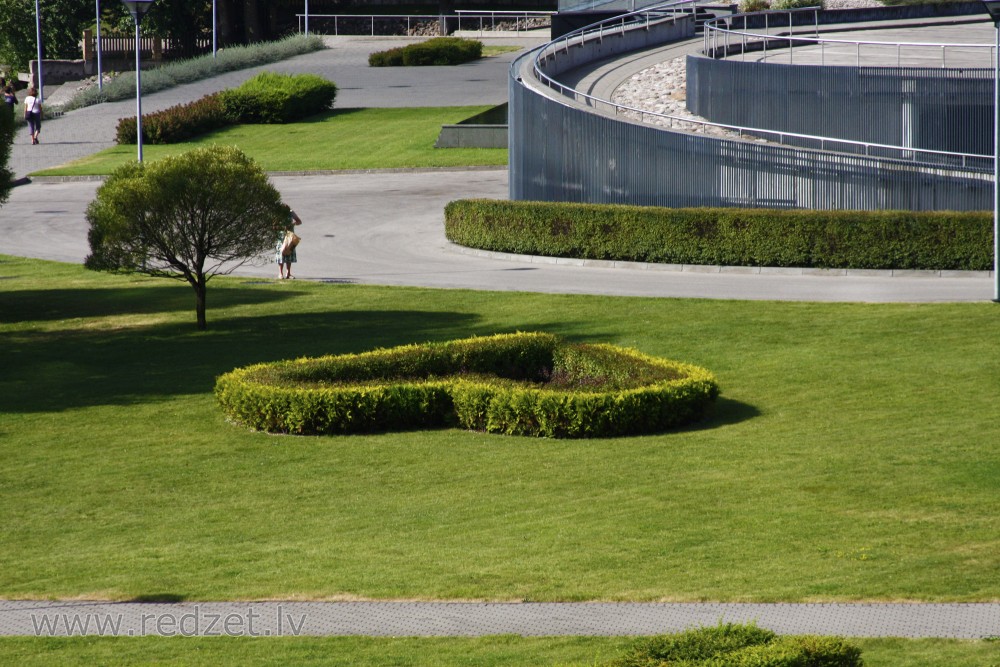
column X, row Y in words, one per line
column 230, row 59
column 515, row 384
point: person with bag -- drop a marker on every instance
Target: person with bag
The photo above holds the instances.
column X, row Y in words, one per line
column 33, row 114
column 288, row 240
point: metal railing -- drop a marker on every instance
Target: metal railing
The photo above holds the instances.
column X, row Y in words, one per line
column 462, row 19
column 721, row 37
column 641, row 20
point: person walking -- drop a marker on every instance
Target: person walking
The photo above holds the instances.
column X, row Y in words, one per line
column 9, row 97
column 286, row 257
column 33, row 114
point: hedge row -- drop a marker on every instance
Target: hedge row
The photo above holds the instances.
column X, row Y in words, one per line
column 727, row 236
column 265, row 98
column 436, row 51
column 518, row 384
column 731, row 645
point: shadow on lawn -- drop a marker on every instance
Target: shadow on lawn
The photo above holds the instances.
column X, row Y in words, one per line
column 67, row 304
column 55, row 371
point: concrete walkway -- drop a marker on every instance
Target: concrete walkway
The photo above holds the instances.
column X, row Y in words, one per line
column 467, row 619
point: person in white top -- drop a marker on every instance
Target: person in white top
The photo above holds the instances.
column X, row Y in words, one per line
column 33, row 114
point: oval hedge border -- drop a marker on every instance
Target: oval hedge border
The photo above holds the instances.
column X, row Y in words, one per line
column 517, row 384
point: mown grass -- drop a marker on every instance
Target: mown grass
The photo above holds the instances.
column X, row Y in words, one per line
column 496, row 651
column 340, row 139
column 852, row 455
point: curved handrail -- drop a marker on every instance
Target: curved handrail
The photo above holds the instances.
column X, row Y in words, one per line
column 641, row 19
column 721, row 28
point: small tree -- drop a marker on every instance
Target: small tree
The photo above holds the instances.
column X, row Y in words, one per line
column 203, row 213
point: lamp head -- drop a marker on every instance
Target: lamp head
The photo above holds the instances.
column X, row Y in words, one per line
column 993, row 7
column 138, row 8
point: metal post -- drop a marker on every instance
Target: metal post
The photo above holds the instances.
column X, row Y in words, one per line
column 215, row 30
column 307, row 18
column 138, row 90
column 996, row 168
column 100, row 69
column 38, row 39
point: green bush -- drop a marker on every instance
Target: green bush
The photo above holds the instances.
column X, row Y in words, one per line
column 519, row 384
column 278, row 98
column 733, row 645
column 727, row 236
column 436, row 51
column 177, row 123
column 747, row 6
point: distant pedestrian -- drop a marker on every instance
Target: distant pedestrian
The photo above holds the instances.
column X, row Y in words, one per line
column 33, row 114
column 9, row 96
column 284, row 255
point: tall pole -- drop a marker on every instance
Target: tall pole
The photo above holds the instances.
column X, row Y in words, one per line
column 38, row 39
column 307, row 18
column 215, row 29
column 996, row 167
column 138, row 88
column 100, row 70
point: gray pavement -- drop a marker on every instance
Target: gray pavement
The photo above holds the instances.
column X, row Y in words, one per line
column 466, row 619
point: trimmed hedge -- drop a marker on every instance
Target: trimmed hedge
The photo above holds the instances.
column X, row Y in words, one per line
column 266, row 98
column 176, row 124
column 278, row 98
column 733, row 645
column 727, row 236
column 435, row 51
column 517, row 384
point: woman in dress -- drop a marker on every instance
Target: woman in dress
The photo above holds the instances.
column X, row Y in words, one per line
column 285, row 261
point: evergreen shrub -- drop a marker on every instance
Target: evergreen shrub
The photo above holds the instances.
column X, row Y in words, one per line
column 435, row 51
column 518, row 384
column 734, row 645
column 278, row 98
column 930, row 240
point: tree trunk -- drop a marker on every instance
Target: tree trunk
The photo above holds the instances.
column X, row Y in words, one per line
column 200, row 288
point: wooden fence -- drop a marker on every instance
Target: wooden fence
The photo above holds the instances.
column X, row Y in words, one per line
column 122, row 47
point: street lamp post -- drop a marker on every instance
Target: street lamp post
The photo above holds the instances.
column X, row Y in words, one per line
column 307, row 18
column 138, row 9
column 993, row 7
column 215, row 28
column 38, row 40
column 100, row 70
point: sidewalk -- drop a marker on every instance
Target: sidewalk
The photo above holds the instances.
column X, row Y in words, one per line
column 472, row 619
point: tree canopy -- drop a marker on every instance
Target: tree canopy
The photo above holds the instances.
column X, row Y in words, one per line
column 188, row 217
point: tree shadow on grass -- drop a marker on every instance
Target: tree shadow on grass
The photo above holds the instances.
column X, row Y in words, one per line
column 66, row 304
column 60, row 370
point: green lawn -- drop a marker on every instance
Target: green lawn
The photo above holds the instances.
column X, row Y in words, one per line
column 499, row 651
column 852, row 455
column 340, row 139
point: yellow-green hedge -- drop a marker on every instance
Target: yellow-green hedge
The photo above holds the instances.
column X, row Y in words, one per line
column 518, row 384
column 940, row 240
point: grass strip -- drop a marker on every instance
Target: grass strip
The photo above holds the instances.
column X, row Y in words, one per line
column 340, row 139
column 495, row 651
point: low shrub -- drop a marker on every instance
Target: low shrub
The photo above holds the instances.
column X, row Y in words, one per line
column 796, row 4
column 747, row 6
column 278, row 98
column 518, row 384
column 177, row 123
column 943, row 240
column 734, row 645
column 436, row 51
